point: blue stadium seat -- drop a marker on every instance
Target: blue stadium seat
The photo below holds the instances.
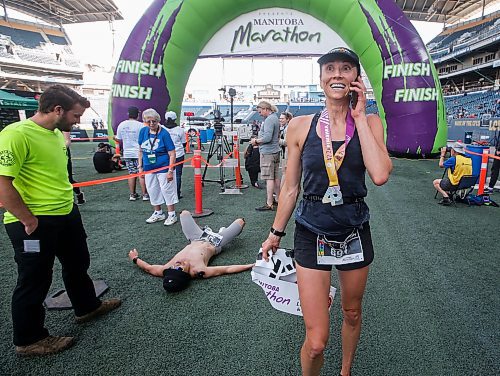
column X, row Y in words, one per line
column 23, row 38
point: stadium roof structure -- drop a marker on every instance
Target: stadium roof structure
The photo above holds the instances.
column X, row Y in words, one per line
column 67, row 11
column 446, row 11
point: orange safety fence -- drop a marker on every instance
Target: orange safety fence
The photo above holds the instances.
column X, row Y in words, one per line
column 92, row 138
column 126, row 177
column 219, row 164
column 481, row 154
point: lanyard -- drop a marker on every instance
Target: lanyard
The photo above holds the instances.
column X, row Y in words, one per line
column 333, row 195
column 154, row 141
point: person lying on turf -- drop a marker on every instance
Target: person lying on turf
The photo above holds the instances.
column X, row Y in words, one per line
column 192, row 261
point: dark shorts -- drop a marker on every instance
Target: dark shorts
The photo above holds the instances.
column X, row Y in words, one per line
column 305, row 248
column 446, row 185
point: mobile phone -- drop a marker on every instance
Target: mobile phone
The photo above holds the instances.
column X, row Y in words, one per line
column 354, row 99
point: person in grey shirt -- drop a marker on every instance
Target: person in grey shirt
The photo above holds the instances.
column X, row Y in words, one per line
column 269, row 148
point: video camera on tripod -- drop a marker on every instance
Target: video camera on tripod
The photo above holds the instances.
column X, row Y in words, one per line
column 218, row 126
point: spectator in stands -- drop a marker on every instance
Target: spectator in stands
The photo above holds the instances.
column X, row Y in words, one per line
column 268, row 142
column 458, row 165
column 156, row 151
column 43, row 222
column 495, row 167
column 128, row 134
column 179, row 138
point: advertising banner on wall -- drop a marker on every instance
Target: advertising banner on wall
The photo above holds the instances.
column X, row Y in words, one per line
column 273, row 32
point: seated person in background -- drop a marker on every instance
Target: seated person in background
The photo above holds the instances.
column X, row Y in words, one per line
column 104, row 160
column 458, row 165
column 192, row 261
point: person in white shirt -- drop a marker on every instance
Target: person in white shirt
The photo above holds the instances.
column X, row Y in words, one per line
column 179, row 138
column 128, row 133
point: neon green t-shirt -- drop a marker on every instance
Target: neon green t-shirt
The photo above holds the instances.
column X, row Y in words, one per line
column 36, row 158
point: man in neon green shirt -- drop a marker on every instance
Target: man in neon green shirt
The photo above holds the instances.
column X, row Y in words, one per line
column 42, row 221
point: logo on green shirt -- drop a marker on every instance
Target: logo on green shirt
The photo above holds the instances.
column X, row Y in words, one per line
column 7, row 158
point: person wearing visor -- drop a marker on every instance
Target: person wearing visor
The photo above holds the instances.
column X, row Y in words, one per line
column 331, row 151
column 192, row 261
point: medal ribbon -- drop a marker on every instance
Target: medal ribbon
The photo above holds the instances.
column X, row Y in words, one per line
column 333, row 162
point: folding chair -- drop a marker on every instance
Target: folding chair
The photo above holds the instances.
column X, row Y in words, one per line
column 464, row 187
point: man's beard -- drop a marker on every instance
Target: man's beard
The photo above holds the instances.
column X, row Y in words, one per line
column 63, row 125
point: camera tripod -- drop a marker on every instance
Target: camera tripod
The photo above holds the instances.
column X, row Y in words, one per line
column 220, row 147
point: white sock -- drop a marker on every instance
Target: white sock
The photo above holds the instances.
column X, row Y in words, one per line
column 171, row 214
column 159, row 212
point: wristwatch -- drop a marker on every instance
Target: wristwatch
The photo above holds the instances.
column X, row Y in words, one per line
column 134, row 260
column 277, row 233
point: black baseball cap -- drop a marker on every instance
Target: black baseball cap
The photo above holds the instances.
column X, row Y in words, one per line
column 133, row 112
column 175, row 280
column 340, row 53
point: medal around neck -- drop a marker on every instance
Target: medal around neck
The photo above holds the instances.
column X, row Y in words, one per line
column 333, row 196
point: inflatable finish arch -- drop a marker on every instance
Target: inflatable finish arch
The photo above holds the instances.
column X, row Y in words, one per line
column 156, row 62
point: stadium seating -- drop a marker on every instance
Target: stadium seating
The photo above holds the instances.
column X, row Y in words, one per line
column 25, row 38
column 454, row 39
column 473, row 105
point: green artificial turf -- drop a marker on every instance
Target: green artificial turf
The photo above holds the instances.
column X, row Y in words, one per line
column 431, row 305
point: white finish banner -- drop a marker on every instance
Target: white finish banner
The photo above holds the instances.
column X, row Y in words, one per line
column 273, row 32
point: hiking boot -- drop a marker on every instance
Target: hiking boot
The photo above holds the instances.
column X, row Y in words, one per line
column 105, row 307
column 46, row 346
column 145, row 197
column 445, row 201
column 133, row 197
column 155, row 218
column 170, row 220
column 80, row 198
column 265, row 208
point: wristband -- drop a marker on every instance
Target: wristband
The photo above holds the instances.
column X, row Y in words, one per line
column 277, row 233
column 134, row 260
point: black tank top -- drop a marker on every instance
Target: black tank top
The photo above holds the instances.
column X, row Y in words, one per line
column 324, row 218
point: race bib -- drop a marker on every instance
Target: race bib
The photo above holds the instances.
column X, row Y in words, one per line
column 332, row 252
column 212, row 237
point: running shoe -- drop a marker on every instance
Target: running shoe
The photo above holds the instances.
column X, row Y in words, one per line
column 156, row 218
column 170, row 220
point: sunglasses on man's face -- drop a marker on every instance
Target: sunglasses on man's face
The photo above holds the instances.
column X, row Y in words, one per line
column 151, row 121
column 177, row 268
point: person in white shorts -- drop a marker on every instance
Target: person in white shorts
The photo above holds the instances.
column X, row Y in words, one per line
column 157, row 151
column 128, row 133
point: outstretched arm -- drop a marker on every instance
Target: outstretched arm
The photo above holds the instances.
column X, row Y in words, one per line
column 214, row 271
column 156, row 270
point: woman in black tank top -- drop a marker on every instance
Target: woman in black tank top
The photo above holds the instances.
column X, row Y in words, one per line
column 332, row 217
